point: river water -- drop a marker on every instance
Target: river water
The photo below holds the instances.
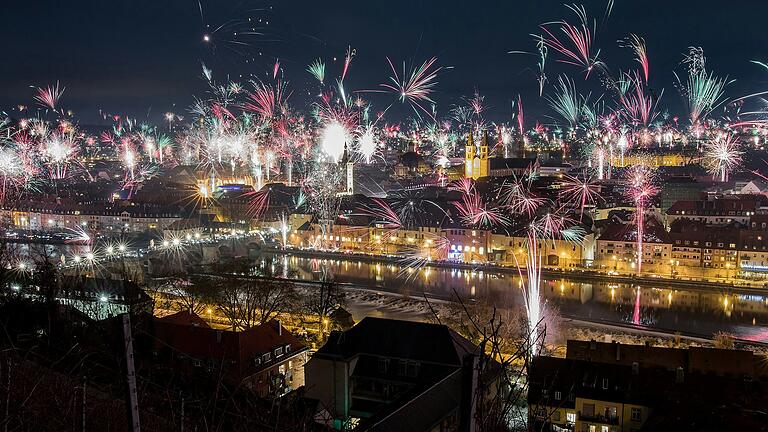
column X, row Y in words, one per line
column 653, row 307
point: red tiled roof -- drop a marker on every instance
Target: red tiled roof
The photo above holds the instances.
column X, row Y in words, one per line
column 241, row 348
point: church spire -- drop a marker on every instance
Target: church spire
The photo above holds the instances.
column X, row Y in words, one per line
column 345, row 156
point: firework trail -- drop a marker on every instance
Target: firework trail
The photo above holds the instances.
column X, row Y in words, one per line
column 582, row 190
column 473, row 211
column 576, row 46
column 417, row 87
column 543, row 51
column 266, row 100
column 567, row 102
column 48, row 97
column 702, row 92
column 538, row 232
column 638, row 108
column 414, row 209
column 317, row 69
column 382, row 213
column 640, row 190
column 517, row 196
column 637, row 44
column 347, row 61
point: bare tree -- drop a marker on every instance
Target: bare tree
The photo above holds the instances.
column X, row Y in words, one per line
column 503, row 360
column 193, row 295
column 321, row 302
column 252, row 302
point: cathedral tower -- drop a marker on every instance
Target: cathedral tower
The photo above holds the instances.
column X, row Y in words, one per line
column 476, row 162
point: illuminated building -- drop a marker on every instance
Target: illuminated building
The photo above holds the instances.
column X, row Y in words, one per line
column 477, row 162
column 611, row 387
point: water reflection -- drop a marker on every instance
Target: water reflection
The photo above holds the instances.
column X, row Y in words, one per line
column 688, row 311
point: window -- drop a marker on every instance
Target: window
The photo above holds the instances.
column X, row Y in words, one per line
column 558, row 395
column 265, row 358
column 278, row 352
column 589, row 410
column 636, row 414
column 412, row 369
column 570, row 417
column 592, row 428
column 605, row 383
column 257, row 361
column 603, row 428
column 288, row 348
column 383, row 365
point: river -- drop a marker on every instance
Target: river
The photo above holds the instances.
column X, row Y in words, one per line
column 692, row 312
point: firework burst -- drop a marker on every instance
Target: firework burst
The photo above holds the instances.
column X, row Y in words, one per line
column 722, row 156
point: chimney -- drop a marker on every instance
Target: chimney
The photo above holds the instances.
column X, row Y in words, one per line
column 279, row 327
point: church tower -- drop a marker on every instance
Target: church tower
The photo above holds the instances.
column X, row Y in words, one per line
column 350, row 172
column 469, row 156
column 476, row 163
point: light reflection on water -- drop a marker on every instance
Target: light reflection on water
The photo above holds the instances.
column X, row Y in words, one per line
column 689, row 311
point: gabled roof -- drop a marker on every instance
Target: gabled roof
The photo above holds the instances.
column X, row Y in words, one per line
column 181, row 333
column 423, row 342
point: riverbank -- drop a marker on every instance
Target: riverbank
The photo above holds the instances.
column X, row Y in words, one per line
column 376, row 301
column 581, row 275
column 362, row 302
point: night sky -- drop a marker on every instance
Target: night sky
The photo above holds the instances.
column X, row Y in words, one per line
column 143, row 57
